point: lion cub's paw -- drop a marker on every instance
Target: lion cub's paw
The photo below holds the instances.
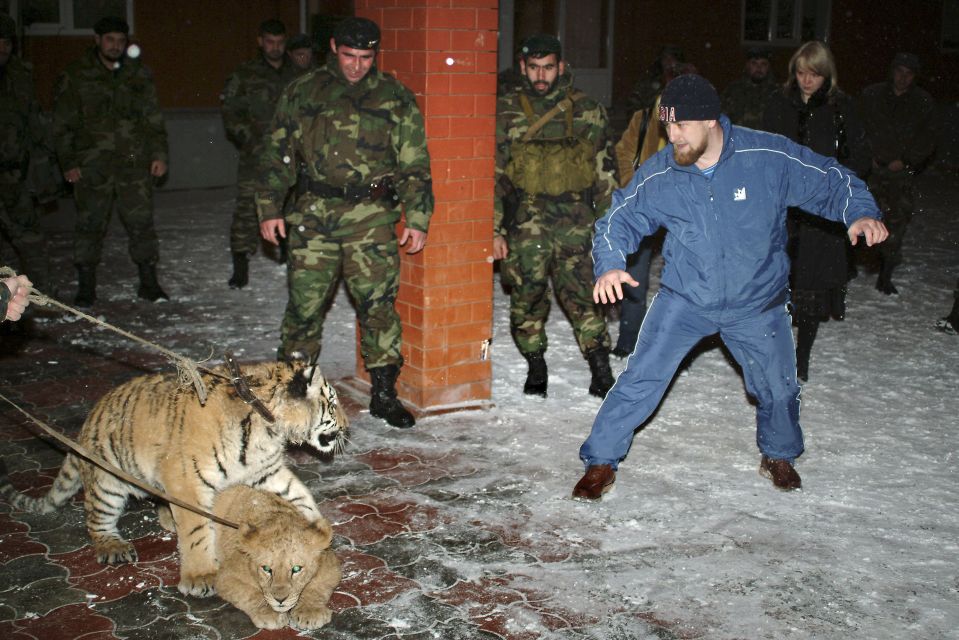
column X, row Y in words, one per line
column 115, row 552
column 266, row 618
column 200, row 586
column 306, row 617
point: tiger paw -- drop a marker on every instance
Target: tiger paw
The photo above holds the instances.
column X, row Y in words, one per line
column 115, row 552
column 165, row 517
column 308, row 617
column 200, row 586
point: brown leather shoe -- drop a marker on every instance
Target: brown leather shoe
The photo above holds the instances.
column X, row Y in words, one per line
column 597, row 480
column 781, row 472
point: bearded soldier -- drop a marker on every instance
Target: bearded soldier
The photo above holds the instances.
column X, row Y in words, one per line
column 249, row 99
column 112, row 144
column 353, row 141
column 555, row 169
column 744, row 100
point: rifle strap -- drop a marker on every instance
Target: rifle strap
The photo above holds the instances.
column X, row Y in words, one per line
column 564, row 105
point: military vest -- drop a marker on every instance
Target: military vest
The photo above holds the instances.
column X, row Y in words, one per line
column 552, row 166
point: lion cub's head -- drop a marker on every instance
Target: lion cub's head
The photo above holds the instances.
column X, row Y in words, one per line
column 284, row 560
column 276, row 557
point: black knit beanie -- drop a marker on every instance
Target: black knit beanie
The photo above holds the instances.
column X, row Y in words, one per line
column 689, row 97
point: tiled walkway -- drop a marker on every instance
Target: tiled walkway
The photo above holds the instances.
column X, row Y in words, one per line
column 408, row 511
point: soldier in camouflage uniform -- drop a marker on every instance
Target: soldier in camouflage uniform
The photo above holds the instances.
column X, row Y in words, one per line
column 112, row 144
column 552, row 176
column 21, row 132
column 900, row 122
column 353, row 141
column 300, row 50
column 745, row 99
column 249, row 100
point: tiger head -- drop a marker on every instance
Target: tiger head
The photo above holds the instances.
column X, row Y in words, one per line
column 306, row 407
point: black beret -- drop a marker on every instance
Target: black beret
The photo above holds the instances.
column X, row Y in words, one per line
column 8, row 28
column 357, row 33
column 111, row 24
column 758, row 52
column 541, row 45
column 299, row 41
column 907, row 60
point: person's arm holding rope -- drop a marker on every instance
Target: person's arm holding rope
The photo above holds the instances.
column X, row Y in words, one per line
column 13, row 297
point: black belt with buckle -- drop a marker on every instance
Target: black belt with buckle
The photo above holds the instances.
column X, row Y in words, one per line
column 379, row 190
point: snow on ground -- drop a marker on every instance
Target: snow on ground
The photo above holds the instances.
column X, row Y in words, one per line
column 691, row 532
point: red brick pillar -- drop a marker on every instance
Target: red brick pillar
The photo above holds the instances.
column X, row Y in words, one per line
column 445, row 52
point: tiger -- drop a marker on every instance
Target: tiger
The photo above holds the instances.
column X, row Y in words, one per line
column 156, row 430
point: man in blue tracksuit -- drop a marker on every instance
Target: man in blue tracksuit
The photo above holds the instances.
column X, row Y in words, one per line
column 722, row 193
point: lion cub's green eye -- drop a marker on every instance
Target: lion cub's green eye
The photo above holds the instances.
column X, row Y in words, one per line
column 267, row 570
column 296, row 569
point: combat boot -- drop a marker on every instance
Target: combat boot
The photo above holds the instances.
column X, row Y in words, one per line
column 602, row 379
column 149, row 287
column 884, row 282
column 241, row 270
column 86, row 286
column 383, row 401
column 538, row 376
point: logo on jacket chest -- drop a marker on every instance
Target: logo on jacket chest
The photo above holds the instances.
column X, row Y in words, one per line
column 739, row 194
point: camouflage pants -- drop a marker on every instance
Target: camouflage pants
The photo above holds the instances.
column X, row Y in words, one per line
column 20, row 227
column 245, row 229
column 369, row 264
column 896, row 199
column 552, row 241
column 96, row 194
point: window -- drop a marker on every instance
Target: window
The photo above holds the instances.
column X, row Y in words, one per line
column 786, row 22
column 68, row 17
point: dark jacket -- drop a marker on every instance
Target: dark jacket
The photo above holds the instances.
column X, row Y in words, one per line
column 899, row 127
column 829, row 125
column 726, row 241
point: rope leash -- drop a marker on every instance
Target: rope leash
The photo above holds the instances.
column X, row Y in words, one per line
column 92, row 458
column 188, row 371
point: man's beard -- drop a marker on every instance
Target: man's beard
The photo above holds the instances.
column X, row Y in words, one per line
column 690, row 155
column 112, row 55
column 548, row 87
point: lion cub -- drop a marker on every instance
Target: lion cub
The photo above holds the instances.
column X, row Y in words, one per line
column 278, row 567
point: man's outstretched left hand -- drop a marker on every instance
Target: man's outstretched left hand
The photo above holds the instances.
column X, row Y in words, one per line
column 873, row 230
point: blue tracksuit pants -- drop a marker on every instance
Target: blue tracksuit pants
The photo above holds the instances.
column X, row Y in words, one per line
column 761, row 342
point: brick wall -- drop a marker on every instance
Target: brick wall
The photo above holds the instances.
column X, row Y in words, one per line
column 445, row 52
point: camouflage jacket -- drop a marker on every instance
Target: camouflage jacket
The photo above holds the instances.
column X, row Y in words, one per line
column 21, row 127
column 345, row 135
column 107, row 118
column 249, row 100
column 589, row 122
column 744, row 101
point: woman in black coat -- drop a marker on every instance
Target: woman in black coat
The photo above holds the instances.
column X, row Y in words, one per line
column 813, row 111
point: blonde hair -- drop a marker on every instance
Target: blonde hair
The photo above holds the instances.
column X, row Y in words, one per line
column 816, row 57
